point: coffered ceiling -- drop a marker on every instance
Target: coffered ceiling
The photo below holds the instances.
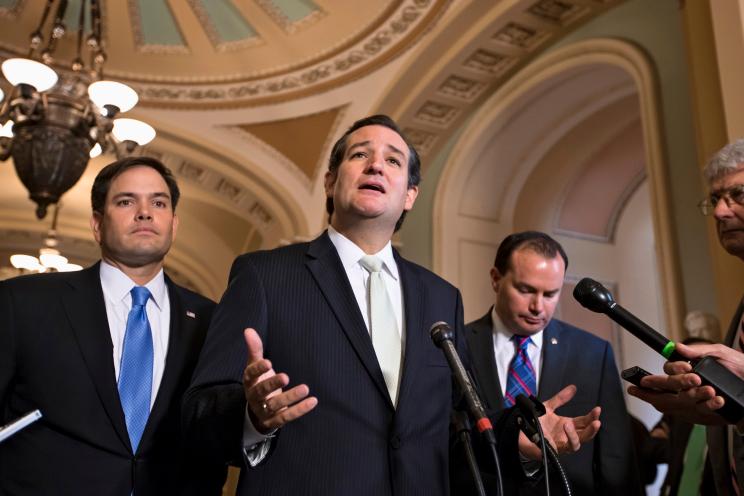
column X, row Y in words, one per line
column 247, row 97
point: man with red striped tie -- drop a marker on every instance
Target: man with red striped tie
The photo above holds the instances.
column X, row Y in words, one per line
column 518, row 348
column 682, row 394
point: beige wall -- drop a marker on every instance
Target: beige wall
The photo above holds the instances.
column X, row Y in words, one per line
column 715, row 45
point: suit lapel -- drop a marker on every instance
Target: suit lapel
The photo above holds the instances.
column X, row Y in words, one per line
column 734, row 327
column 86, row 312
column 181, row 327
column 325, row 266
column 416, row 336
column 717, row 436
column 484, row 362
column 555, row 353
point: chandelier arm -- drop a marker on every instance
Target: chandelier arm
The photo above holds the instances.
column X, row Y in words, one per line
column 104, row 125
column 6, row 145
column 58, row 30
column 116, row 147
column 53, row 228
column 5, row 108
column 98, row 55
column 95, row 18
column 77, row 64
column 59, row 20
column 36, row 37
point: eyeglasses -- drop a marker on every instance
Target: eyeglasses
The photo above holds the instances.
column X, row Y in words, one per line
column 732, row 196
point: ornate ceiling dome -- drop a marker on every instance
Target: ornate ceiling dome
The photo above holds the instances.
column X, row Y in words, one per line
column 223, row 52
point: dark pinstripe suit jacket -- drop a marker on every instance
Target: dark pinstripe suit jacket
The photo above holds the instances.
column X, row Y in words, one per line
column 718, row 451
column 354, row 442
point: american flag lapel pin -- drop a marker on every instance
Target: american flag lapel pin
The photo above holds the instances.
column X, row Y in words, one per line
column 191, row 314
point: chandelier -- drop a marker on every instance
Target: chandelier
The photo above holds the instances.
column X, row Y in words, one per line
column 51, row 123
column 50, row 259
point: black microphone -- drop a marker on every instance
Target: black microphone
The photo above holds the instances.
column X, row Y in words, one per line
column 597, row 298
column 530, row 414
column 443, row 337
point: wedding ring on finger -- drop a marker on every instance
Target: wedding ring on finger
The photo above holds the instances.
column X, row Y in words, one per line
column 265, row 408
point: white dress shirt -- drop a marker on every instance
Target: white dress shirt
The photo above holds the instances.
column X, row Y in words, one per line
column 118, row 299
column 504, row 350
column 350, row 255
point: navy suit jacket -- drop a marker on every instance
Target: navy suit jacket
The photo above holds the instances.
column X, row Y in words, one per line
column 56, row 355
column 355, row 441
column 717, row 437
column 606, row 465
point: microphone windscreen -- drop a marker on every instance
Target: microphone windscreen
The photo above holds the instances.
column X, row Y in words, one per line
column 593, row 295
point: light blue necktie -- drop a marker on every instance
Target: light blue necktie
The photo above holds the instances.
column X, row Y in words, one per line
column 135, row 372
column 521, row 375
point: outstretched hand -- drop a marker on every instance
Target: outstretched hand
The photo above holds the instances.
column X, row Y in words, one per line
column 565, row 434
column 271, row 407
column 681, row 392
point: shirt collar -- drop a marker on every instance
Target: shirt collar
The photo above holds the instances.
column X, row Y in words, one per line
column 119, row 285
column 350, row 253
column 502, row 333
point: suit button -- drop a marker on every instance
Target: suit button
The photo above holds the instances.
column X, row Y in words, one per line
column 395, row 441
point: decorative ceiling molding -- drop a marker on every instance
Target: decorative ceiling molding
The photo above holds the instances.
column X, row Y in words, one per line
column 233, row 194
column 140, row 41
column 454, row 89
column 615, row 53
column 196, row 61
column 556, row 11
column 213, row 34
column 397, row 33
column 299, row 144
column 289, row 26
column 12, row 11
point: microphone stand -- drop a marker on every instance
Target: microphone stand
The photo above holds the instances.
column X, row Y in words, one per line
column 443, row 337
column 529, row 423
column 462, row 428
column 497, row 464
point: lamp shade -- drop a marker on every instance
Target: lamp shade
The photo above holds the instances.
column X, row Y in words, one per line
column 50, row 258
column 133, row 130
column 95, row 151
column 70, row 267
column 120, row 95
column 6, row 130
column 26, row 262
column 27, row 71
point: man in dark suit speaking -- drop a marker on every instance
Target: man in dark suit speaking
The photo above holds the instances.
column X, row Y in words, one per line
column 105, row 354
column 349, row 318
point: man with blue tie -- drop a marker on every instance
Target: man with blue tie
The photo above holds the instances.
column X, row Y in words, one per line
column 518, row 348
column 105, row 354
